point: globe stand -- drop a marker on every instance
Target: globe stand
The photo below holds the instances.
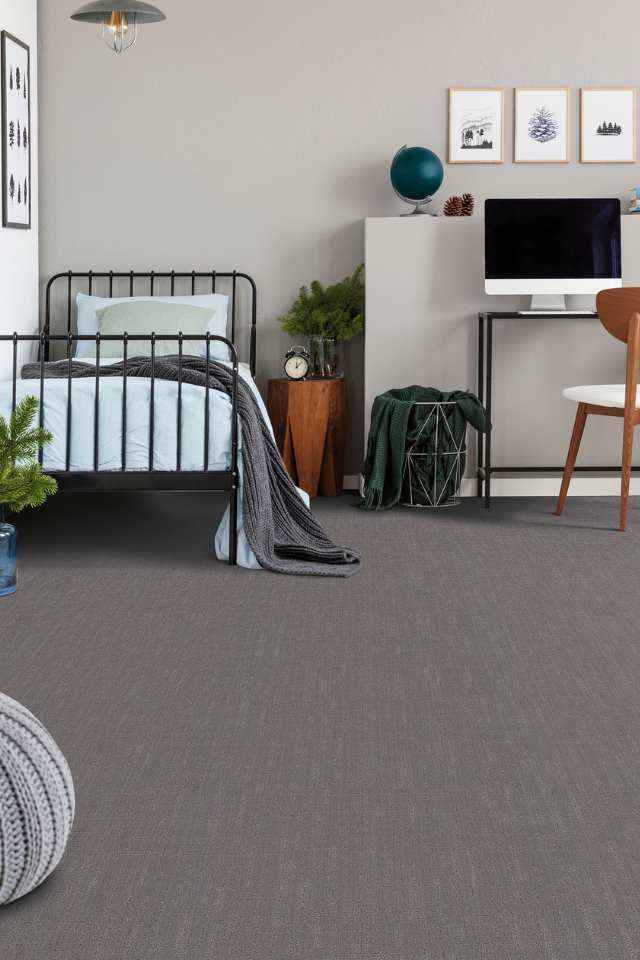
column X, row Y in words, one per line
column 418, row 204
column 417, row 210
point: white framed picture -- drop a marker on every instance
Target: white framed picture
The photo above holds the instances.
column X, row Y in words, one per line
column 608, row 125
column 16, row 133
column 476, row 125
column 541, row 129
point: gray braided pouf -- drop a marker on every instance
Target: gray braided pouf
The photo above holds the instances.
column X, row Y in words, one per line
column 37, row 801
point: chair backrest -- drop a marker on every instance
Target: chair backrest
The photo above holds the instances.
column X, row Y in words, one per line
column 615, row 309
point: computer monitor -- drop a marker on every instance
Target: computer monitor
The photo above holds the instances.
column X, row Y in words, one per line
column 549, row 248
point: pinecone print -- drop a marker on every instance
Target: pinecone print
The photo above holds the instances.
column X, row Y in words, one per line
column 453, row 207
column 466, row 205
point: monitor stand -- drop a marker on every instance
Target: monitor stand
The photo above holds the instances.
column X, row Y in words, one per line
column 548, row 303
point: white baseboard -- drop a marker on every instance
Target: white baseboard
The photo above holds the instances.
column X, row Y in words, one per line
column 550, row 486
column 537, row 486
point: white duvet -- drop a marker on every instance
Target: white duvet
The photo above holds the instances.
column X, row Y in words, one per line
column 137, row 432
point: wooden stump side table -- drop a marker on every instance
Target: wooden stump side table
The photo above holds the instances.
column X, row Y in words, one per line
column 309, row 418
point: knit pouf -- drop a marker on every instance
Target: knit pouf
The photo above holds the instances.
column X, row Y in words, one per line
column 37, row 801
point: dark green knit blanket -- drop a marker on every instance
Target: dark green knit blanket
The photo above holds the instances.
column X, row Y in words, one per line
column 396, row 421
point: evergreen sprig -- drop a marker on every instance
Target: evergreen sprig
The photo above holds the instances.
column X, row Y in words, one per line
column 335, row 312
column 22, row 482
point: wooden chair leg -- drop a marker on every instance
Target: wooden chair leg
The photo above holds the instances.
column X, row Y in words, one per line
column 627, row 453
column 574, row 446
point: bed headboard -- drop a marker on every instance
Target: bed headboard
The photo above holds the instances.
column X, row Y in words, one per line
column 60, row 299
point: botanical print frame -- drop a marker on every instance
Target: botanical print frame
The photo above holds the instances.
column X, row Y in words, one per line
column 608, row 130
column 16, row 132
column 476, row 125
column 541, row 126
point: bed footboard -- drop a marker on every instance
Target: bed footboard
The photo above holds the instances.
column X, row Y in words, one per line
column 126, row 479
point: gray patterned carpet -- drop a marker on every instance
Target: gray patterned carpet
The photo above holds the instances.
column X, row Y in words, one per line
column 436, row 760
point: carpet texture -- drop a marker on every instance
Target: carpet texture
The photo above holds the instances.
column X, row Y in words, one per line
column 436, row 760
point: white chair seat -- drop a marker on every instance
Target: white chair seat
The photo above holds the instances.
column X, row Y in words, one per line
column 601, row 394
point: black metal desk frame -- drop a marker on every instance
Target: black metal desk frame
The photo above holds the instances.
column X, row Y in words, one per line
column 485, row 468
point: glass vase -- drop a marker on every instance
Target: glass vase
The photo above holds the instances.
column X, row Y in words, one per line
column 324, row 361
column 8, row 558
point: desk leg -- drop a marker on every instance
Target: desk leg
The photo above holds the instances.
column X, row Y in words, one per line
column 480, row 436
column 487, row 461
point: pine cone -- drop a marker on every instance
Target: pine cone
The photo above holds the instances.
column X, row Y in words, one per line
column 466, row 205
column 453, row 207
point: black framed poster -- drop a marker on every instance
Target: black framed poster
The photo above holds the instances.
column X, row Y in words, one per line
column 16, row 133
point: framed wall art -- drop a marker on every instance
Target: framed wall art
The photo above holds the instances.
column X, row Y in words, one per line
column 16, row 132
column 541, row 128
column 476, row 125
column 608, row 125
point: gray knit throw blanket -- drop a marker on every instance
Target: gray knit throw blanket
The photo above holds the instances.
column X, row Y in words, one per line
column 282, row 531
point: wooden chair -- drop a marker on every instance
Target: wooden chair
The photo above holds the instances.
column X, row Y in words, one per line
column 619, row 312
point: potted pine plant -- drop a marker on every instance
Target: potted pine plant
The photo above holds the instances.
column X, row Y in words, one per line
column 326, row 315
column 22, row 481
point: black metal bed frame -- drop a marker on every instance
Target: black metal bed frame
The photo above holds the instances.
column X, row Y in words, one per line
column 129, row 480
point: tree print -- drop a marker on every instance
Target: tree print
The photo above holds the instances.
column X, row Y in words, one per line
column 475, row 135
column 25, row 191
column 11, row 79
column 12, row 187
column 24, row 87
column 543, row 126
column 24, row 137
column 12, row 133
column 19, row 134
column 19, row 194
column 17, row 78
column 609, row 129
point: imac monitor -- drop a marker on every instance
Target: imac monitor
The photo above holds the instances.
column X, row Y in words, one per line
column 548, row 248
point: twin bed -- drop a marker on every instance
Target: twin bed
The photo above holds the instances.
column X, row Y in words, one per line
column 141, row 433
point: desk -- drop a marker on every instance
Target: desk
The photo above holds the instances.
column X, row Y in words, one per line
column 485, row 385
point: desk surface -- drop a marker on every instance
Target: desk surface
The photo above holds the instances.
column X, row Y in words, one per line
column 519, row 315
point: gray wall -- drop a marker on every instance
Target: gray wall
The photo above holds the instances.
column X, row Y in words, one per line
column 258, row 135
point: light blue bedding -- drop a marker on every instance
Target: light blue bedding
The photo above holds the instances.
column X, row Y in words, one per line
column 137, row 433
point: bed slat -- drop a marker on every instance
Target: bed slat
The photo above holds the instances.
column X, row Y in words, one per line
column 69, row 406
column 152, row 389
column 206, row 402
column 41, row 406
column 14, row 378
column 125, row 339
column 179, row 424
column 96, row 408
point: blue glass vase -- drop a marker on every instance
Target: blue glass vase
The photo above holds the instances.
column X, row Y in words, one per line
column 8, row 558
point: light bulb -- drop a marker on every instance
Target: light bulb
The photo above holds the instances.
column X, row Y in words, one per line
column 119, row 30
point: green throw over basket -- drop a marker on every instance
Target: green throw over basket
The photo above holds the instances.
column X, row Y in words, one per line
column 416, row 451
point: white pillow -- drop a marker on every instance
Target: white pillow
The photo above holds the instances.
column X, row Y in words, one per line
column 88, row 320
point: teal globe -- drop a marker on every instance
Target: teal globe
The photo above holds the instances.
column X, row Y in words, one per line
column 416, row 173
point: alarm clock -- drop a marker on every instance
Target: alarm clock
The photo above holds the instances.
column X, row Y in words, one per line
column 296, row 363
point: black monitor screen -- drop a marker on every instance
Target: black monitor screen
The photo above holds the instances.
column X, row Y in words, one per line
column 542, row 239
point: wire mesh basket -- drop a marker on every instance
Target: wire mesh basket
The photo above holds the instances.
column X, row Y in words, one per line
column 434, row 457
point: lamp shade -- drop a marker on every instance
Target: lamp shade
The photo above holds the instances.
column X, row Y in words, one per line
column 96, row 11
